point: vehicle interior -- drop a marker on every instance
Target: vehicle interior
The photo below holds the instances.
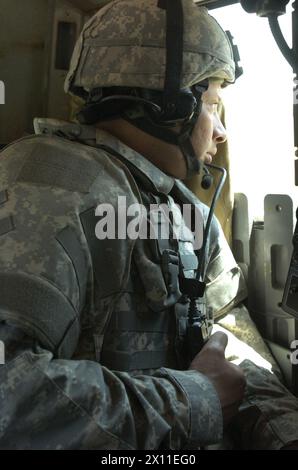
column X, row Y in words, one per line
column 35, row 50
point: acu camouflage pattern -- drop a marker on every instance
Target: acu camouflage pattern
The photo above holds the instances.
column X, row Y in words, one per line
column 124, row 45
column 54, row 392
column 55, row 397
column 267, row 417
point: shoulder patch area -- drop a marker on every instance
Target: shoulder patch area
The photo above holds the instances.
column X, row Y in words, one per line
column 52, row 161
column 59, row 163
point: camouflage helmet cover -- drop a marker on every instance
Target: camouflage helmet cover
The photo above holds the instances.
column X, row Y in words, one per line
column 124, row 44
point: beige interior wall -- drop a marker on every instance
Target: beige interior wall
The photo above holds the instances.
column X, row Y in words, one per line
column 23, row 34
column 28, row 43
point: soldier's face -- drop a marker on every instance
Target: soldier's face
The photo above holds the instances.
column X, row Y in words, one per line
column 209, row 131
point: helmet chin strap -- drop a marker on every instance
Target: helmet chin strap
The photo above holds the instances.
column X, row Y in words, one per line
column 193, row 164
column 181, row 139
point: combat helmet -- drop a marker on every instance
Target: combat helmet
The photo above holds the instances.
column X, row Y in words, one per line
column 149, row 61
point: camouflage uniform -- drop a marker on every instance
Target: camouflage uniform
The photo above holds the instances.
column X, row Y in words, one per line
column 94, row 331
column 75, row 376
column 53, row 279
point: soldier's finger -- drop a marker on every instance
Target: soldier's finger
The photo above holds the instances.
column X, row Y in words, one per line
column 217, row 342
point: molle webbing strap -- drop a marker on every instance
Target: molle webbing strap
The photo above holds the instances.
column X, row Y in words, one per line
column 140, row 322
column 129, row 361
column 131, row 327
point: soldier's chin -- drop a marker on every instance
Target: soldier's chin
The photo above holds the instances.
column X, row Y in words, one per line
column 208, row 158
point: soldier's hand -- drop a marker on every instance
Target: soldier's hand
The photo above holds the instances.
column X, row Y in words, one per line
column 228, row 379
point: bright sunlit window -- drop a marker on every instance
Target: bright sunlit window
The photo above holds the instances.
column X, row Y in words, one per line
column 259, row 110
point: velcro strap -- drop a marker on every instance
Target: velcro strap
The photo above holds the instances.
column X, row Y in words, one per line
column 129, row 361
column 128, row 320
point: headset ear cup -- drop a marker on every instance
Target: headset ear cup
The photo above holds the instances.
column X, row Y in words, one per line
column 155, row 97
column 186, row 103
column 154, row 115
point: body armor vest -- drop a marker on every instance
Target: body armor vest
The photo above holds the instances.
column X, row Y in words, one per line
column 126, row 309
column 148, row 328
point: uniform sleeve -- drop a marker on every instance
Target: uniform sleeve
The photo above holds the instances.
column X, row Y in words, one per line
column 226, row 285
column 51, row 403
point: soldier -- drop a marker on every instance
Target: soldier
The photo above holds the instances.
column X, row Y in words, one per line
column 97, row 330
